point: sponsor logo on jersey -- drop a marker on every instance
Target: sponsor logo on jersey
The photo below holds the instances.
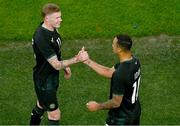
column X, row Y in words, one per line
column 58, row 41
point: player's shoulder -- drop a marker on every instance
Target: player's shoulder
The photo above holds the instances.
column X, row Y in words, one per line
column 118, row 68
column 116, row 65
column 135, row 58
column 39, row 31
column 136, row 61
column 39, row 34
column 130, row 63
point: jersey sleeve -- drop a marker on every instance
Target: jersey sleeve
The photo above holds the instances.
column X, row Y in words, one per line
column 118, row 83
column 45, row 48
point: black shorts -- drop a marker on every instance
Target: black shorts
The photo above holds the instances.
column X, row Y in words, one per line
column 46, row 92
column 123, row 121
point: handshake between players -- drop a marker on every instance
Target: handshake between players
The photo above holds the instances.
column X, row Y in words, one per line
column 82, row 55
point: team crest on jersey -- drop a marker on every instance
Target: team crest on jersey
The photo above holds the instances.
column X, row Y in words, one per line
column 52, row 106
column 52, row 40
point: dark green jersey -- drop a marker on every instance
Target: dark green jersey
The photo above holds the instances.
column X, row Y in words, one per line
column 125, row 81
column 45, row 45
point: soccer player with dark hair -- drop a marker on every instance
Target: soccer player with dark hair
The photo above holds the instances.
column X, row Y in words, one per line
column 123, row 104
column 46, row 44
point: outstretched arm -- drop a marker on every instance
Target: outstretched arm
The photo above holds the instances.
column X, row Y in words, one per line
column 100, row 69
column 58, row 65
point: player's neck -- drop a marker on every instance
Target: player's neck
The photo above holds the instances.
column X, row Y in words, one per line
column 46, row 25
column 125, row 56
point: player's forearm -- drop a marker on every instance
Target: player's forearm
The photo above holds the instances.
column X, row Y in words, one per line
column 58, row 65
column 101, row 70
column 65, row 63
column 108, row 105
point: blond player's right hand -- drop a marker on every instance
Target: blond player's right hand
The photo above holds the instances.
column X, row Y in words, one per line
column 83, row 55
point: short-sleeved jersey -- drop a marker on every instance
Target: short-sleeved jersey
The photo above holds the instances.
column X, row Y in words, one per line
column 125, row 81
column 45, row 45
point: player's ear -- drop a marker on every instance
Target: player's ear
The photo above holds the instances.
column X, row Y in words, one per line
column 47, row 17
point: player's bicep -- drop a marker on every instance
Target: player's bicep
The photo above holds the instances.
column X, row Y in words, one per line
column 117, row 99
column 118, row 87
column 111, row 71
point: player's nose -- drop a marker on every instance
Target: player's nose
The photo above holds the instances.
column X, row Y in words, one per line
column 60, row 19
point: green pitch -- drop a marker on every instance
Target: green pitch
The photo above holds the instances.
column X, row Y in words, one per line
column 92, row 23
column 159, row 89
column 92, row 18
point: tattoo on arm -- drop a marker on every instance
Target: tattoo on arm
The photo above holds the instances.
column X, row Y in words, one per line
column 62, row 64
column 66, row 63
column 107, row 105
column 112, row 103
column 58, row 65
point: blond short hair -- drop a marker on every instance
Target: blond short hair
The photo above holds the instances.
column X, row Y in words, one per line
column 49, row 9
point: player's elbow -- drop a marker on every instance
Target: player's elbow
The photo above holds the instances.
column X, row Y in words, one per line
column 117, row 101
column 116, row 105
column 108, row 73
column 55, row 63
column 56, row 66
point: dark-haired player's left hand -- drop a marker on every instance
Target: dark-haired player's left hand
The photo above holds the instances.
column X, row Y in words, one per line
column 93, row 106
column 67, row 73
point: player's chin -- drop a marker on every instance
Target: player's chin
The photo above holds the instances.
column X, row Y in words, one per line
column 57, row 26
